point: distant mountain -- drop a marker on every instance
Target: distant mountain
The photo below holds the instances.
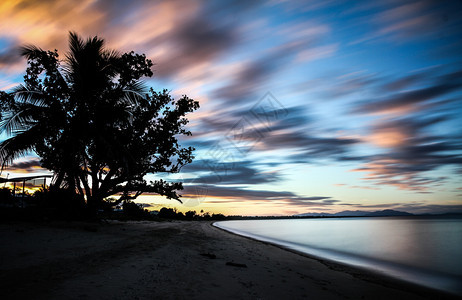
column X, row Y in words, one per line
column 388, row 212
column 351, row 213
column 359, row 213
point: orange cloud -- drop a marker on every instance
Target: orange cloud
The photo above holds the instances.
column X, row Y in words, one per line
column 390, row 133
column 388, row 137
column 134, row 27
column 45, row 23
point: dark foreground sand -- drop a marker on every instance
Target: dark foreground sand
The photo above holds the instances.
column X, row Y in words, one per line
column 172, row 260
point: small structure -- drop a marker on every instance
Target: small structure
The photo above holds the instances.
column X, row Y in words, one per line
column 23, row 180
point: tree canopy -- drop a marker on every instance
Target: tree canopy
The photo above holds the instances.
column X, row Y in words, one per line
column 94, row 123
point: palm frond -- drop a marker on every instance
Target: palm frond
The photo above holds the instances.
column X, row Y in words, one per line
column 16, row 121
column 30, row 51
column 75, row 43
column 24, row 95
column 95, row 45
column 111, row 59
column 111, row 55
column 22, row 117
column 18, row 146
column 133, row 93
column 23, row 113
column 138, row 87
column 76, row 46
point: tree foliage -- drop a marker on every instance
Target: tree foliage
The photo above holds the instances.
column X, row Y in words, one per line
column 93, row 122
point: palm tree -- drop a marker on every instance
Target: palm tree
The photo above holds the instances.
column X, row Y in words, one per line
column 66, row 114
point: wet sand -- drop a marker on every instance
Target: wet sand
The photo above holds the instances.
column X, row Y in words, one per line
column 173, row 260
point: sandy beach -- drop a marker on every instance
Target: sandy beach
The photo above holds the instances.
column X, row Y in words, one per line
column 173, row 260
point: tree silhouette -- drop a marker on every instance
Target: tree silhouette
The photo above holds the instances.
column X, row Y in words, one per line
column 93, row 122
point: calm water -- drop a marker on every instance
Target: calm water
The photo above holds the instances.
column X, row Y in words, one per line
column 427, row 251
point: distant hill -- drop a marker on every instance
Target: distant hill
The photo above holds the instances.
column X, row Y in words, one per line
column 388, row 212
column 358, row 213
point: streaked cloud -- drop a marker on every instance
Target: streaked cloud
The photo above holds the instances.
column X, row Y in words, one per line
column 29, row 165
column 407, row 101
column 411, row 154
column 373, row 87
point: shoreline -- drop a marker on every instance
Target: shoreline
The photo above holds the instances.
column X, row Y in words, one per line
column 174, row 260
column 361, row 272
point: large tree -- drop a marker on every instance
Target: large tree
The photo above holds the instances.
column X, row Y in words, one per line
column 94, row 124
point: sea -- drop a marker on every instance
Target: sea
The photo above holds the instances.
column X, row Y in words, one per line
column 422, row 250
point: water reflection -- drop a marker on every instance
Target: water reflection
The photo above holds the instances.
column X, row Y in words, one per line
column 423, row 250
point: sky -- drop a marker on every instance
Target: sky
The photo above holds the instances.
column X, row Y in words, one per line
column 306, row 106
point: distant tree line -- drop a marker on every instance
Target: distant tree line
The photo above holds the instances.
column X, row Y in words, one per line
column 46, row 204
column 173, row 213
